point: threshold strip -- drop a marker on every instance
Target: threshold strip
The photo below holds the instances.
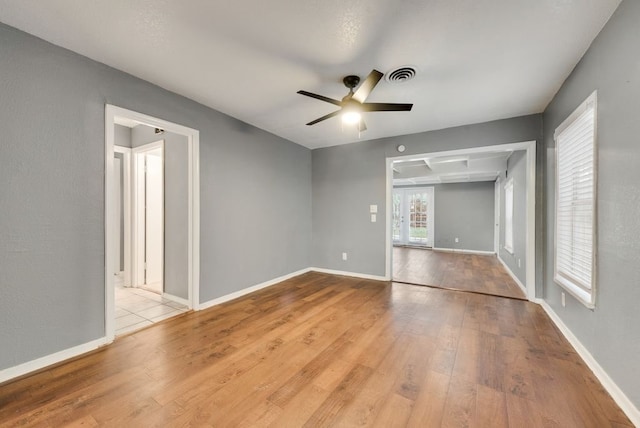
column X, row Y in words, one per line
column 523, row 299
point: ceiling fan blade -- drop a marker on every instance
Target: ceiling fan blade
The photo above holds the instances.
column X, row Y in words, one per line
column 362, row 126
column 320, row 97
column 367, row 86
column 325, row 117
column 386, row 107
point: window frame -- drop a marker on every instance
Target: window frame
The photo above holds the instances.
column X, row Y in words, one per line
column 572, row 285
column 508, row 219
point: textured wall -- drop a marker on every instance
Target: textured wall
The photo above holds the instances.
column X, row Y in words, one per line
column 516, row 169
column 255, row 195
column 464, row 211
column 612, row 66
column 348, row 178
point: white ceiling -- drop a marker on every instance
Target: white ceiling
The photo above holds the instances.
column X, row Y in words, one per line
column 476, row 60
column 435, row 169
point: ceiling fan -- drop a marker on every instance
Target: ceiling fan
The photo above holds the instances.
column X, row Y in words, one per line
column 353, row 104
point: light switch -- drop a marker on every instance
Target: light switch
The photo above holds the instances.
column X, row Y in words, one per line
column 373, row 218
column 373, row 209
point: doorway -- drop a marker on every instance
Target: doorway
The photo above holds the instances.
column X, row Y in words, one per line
column 158, row 271
column 412, row 219
column 457, row 248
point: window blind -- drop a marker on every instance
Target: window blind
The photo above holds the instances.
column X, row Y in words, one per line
column 575, row 202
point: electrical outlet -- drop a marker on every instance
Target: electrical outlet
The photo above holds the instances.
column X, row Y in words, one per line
column 564, row 301
column 344, row 256
column 519, row 264
column 373, row 218
column 457, row 240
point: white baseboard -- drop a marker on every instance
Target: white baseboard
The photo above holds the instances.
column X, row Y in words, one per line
column 48, row 360
column 461, row 250
column 513, row 275
column 632, row 412
column 353, row 274
column 251, row 289
column 176, row 299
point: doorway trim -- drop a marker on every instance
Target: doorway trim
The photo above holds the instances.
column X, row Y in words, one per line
column 126, row 207
column 530, row 241
column 113, row 114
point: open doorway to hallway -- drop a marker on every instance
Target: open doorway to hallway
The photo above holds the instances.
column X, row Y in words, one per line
column 477, row 243
column 151, row 221
column 148, row 290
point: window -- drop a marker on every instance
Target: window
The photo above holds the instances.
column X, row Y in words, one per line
column 574, row 267
column 508, row 216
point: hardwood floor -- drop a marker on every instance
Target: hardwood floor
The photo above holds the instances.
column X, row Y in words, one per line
column 457, row 271
column 323, row 350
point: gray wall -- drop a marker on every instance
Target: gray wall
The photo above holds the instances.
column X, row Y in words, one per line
column 465, row 211
column 612, row 66
column 255, row 195
column 122, row 136
column 516, row 169
column 348, row 178
column 176, row 206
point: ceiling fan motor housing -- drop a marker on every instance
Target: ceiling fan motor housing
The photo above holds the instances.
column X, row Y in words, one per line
column 351, row 81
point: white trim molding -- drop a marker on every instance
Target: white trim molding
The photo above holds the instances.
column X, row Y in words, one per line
column 48, row 360
column 245, row 291
column 627, row 406
column 462, row 250
column 513, row 275
column 176, row 299
column 352, row 274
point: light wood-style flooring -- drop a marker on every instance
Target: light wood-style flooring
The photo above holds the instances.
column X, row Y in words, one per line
column 457, row 271
column 323, row 350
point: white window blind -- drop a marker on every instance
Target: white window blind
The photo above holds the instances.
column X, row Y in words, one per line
column 508, row 216
column 575, row 202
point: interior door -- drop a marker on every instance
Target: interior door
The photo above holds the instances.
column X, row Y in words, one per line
column 117, row 209
column 148, row 218
column 413, row 212
column 154, row 220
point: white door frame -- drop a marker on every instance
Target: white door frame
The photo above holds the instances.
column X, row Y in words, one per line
column 115, row 115
column 530, row 147
column 126, row 207
column 497, row 216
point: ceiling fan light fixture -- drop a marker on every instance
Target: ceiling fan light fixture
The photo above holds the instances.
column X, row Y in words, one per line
column 351, row 117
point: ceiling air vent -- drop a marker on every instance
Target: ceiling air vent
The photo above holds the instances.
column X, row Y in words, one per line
column 401, row 74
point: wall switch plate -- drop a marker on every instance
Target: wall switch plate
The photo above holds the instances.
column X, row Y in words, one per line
column 519, row 264
column 373, row 218
column 373, row 209
column 564, row 301
column 344, row 256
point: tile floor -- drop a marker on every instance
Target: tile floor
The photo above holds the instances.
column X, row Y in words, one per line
column 137, row 308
